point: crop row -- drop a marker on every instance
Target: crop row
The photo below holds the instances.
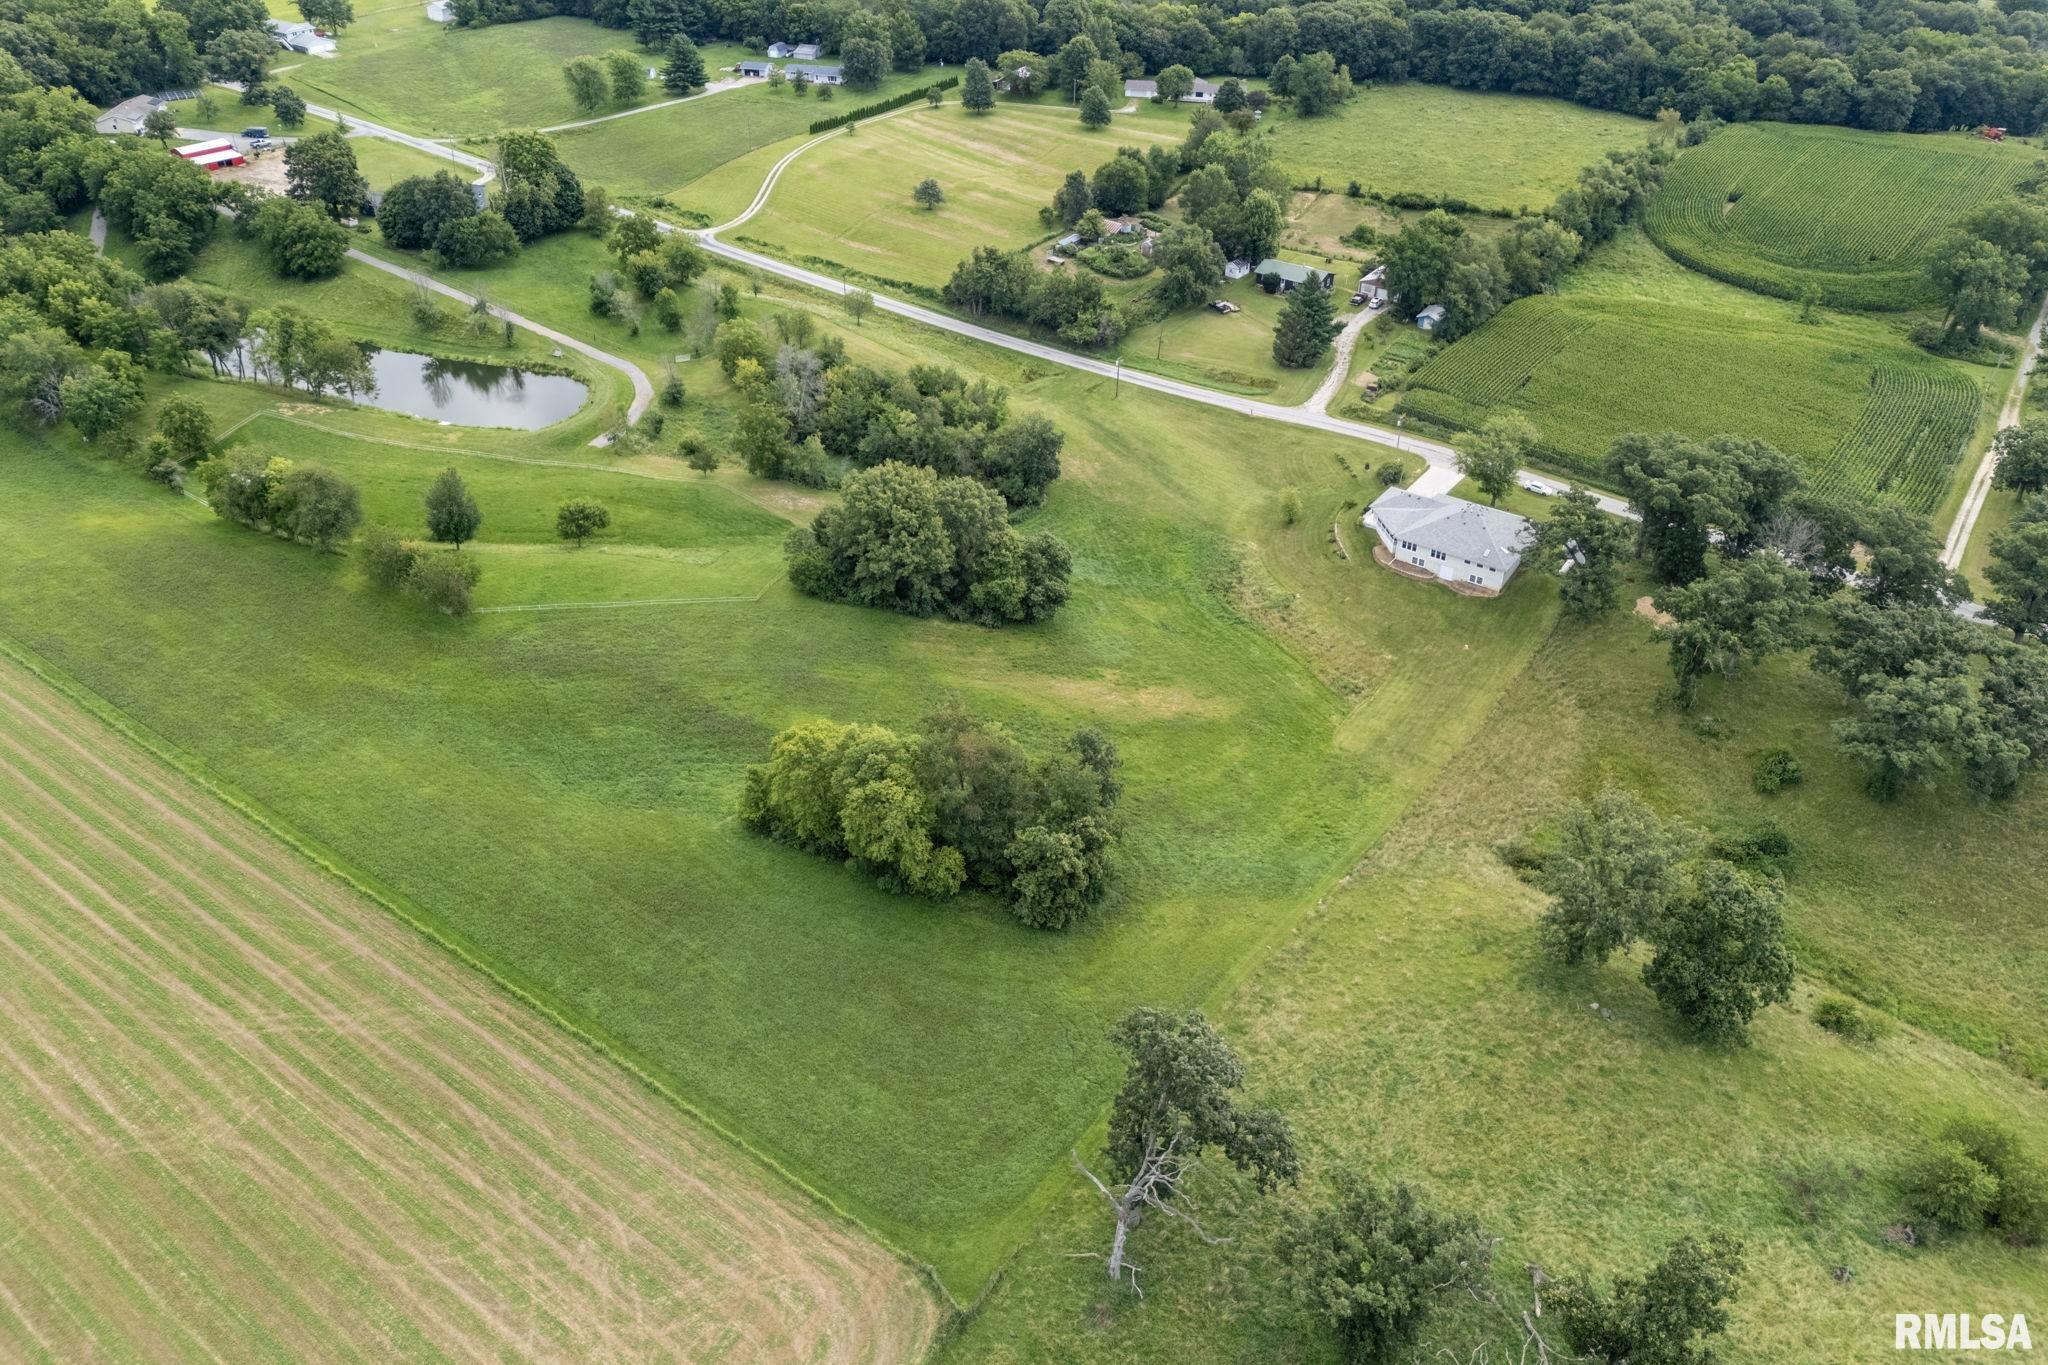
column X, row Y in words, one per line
column 1907, row 439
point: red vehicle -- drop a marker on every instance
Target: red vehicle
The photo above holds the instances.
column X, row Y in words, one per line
column 1991, row 134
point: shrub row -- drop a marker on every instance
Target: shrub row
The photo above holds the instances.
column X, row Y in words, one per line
column 826, row 125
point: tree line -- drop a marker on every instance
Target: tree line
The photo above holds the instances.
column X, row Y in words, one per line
column 955, row 804
column 1886, row 65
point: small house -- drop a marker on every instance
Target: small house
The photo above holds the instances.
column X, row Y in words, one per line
column 815, row 75
column 1237, row 269
column 781, row 52
column 297, row 37
column 754, row 67
column 128, row 116
column 1276, row 276
column 1430, row 318
column 1202, row 92
column 1475, row 549
column 805, row 52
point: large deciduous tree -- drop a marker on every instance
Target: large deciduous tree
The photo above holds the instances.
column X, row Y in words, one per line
column 1670, row 1315
column 1179, row 1100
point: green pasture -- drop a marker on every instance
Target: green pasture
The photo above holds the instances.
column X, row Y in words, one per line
column 1233, row 352
column 401, row 69
column 659, row 153
column 1491, row 150
column 1617, row 351
column 574, row 824
column 1786, row 208
column 847, row 200
column 1411, row 1028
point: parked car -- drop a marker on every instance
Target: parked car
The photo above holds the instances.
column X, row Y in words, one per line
column 1358, row 298
column 260, row 144
column 263, row 133
column 1225, row 306
column 1539, row 488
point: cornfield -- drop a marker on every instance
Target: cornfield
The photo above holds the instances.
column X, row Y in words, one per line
column 1906, row 442
column 1783, row 208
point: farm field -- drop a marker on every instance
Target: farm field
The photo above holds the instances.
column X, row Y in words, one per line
column 1784, row 208
column 1866, row 413
column 575, row 828
column 400, row 68
column 1493, row 151
column 658, row 154
column 847, row 200
column 226, row 1069
column 1412, row 1030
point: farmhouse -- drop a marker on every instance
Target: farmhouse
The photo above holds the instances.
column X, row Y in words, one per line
column 1475, row 549
column 816, row 75
column 754, row 67
column 1202, row 92
column 1430, row 317
column 1276, row 276
column 297, row 37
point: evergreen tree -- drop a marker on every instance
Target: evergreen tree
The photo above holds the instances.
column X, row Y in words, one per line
column 1307, row 325
column 685, row 69
column 1094, row 109
column 977, row 91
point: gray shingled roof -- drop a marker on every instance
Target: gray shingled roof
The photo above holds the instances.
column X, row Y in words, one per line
column 1464, row 530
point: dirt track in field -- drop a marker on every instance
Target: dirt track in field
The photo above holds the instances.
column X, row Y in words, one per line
column 245, row 1112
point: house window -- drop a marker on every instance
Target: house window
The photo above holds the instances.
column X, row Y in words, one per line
column 1419, row 562
column 1475, row 578
column 1407, row 544
column 1438, row 554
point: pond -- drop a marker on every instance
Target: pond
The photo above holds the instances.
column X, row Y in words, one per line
column 468, row 393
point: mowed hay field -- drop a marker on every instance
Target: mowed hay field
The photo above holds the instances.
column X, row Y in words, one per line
column 1492, row 151
column 657, row 154
column 847, row 200
column 1786, row 208
column 247, row 1114
column 400, row 68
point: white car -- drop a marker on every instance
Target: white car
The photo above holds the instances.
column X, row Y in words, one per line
column 1539, row 488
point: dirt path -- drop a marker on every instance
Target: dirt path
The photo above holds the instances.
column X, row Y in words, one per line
column 1965, row 524
column 221, row 1068
column 714, row 88
column 1340, row 368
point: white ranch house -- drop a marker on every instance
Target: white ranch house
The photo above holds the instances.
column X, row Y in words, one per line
column 1475, row 549
column 1202, row 92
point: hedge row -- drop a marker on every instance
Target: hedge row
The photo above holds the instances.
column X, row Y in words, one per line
column 826, row 125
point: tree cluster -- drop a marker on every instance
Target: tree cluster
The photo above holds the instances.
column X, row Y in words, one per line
column 1073, row 306
column 654, row 269
column 811, row 405
column 288, row 347
column 1977, row 1176
column 1989, row 267
column 925, row 544
column 957, row 803
column 536, row 193
column 301, row 240
column 1436, row 260
column 303, row 502
column 321, row 170
column 439, row 213
column 1621, row 874
column 444, row 581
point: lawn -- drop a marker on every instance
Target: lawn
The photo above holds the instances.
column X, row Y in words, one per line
column 1618, row 351
column 1491, row 151
column 847, row 200
column 257, row 1117
column 574, row 825
column 1233, row 352
column 401, row 69
column 1786, row 208
column 658, row 154
column 1411, row 1029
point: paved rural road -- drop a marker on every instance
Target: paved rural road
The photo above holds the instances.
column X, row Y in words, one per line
column 1311, row 415
column 715, row 88
column 643, row 388
column 2008, row 416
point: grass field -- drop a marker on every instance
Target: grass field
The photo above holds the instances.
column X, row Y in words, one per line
column 1784, row 208
column 575, row 826
column 1411, row 1028
column 402, row 69
column 658, row 154
column 847, row 200
column 1866, row 413
column 1493, row 151
column 225, row 1069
